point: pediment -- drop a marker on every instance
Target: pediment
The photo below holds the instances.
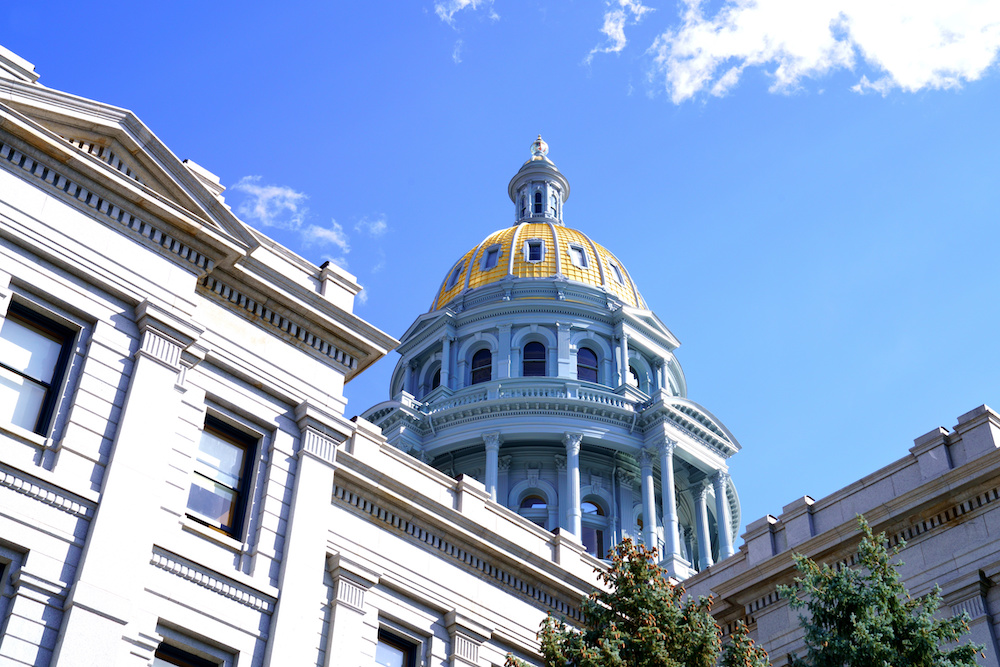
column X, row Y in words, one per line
column 117, row 148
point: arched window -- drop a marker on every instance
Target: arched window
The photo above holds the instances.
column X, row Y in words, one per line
column 534, row 360
column 524, row 206
column 586, row 365
column 593, row 523
column 535, row 509
column 482, row 366
column 436, row 379
column 538, row 203
column 633, row 377
column 552, row 205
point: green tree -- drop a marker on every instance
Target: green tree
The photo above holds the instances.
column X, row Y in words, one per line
column 639, row 620
column 864, row 617
column 741, row 651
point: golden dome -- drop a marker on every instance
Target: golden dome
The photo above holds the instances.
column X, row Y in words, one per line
column 542, row 251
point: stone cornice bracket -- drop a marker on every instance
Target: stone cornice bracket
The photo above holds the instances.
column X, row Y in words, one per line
column 352, row 581
column 321, row 432
column 467, row 636
column 572, row 442
column 164, row 335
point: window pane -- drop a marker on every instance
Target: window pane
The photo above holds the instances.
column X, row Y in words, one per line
column 578, row 256
column 223, row 460
column 389, row 656
column 534, row 252
column 29, row 350
column 593, row 541
column 212, row 501
column 21, row 400
column 534, row 502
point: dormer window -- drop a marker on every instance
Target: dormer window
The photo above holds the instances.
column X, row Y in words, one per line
column 616, row 272
column 456, row 272
column 578, row 256
column 490, row 258
column 538, row 203
column 534, row 250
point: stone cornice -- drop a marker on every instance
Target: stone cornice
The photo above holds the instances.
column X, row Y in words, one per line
column 213, row 581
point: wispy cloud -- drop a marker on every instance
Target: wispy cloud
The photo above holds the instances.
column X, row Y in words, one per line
column 362, row 296
column 456, row 53
column 374, row 227
column 619, row 14
column 324, row 236
column 910, row 45
column 270, row 205
column 446, row 10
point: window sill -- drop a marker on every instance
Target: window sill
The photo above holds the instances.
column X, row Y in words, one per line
column 200, row 529
column 23, row 434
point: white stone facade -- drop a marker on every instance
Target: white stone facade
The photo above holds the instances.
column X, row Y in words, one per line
column 178, row 484
column 943, row 500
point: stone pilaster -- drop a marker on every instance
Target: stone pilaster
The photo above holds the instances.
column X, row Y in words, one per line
column 347, row 641
column 572, row 442
column 492, row 442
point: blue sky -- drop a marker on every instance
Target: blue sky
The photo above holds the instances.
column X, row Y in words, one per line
column 805, row 193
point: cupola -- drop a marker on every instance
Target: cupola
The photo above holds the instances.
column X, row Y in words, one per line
column 538, row 189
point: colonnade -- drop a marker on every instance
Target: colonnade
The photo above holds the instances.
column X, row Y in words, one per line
column 664, row 451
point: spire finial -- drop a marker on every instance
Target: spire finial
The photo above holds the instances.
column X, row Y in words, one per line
column 539, row 149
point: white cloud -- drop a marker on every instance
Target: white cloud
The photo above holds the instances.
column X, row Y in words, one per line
column 446, row 10
column 270, row 205
column 374, row 228
column 909, row 44
column 615, row 19
column 332, row 235
column 456, row 53
column 362, row 296
column 380, row 264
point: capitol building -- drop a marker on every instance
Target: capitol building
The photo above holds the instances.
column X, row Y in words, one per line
column 180, row 485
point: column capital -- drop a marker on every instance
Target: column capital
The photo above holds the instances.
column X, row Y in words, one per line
column 625, row 477
column 667, row 446
column 503, row 463
column 645, row 458
column 572, row 442
column 560, row 461
column 320, row 431
column 700, row 491
column 720, row 478
column 492, row 439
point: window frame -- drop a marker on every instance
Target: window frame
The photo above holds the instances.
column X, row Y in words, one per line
column 596, row 368
column 495, row 252
column 616, row 273
column 583, row 262
column 455, row 274
column 172, row 654
column 536, row 363
column 537, row 203
column 487, row 367
column 407, row 645
column 62, row 334
column 250, row 444
column 528, row 245
column 599, row 523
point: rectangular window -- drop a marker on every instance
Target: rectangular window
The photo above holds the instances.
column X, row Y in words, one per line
column 171, row 655
column 616, row 272
column 34, row 353
column 491, row 257
column 221, row 478
column 395, row 651
column 578, row 256
column 536, row 250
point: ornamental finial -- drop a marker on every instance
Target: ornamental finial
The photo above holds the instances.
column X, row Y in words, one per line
column 539, row 149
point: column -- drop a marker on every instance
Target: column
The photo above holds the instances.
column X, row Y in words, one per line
column 503, row 354
column 492, row 440
column 560, row 462
column 648, row 498
column 303, row 561
column 503, row 481
column 623, row 353
column 346, row 644
column 572, row 442
column 446, row 362
column 109, row 578
column 701, row 517
column 626, row 482
column 720, row 480
column 408, row 378
column 671, row 542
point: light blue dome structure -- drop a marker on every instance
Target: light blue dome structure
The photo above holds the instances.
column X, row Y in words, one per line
column 540, row 372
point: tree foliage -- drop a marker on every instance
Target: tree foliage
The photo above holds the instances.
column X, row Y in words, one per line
column 864, row 616
column 640, row 620
column 741, row 651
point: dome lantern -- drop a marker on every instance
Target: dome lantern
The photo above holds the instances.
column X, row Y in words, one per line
column 538, row 189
